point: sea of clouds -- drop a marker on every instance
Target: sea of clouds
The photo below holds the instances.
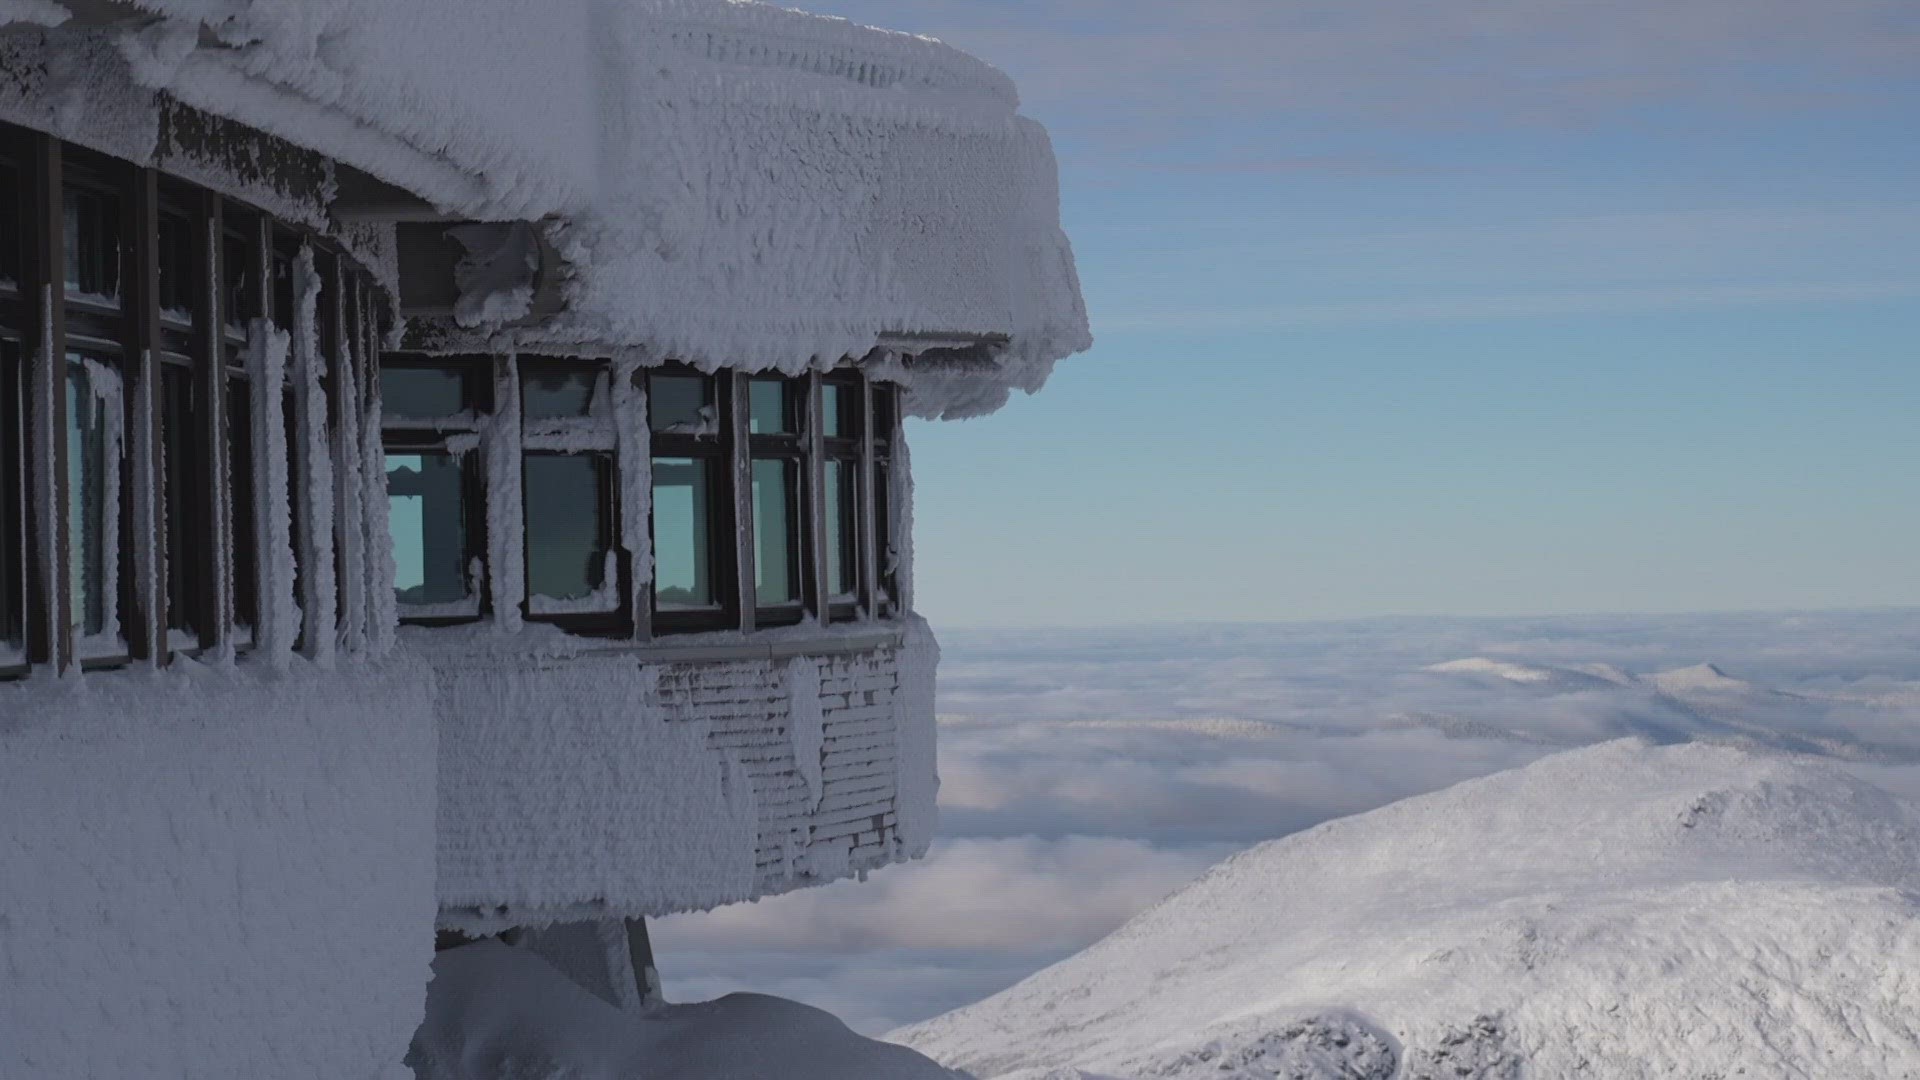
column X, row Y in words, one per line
column 1088, row 773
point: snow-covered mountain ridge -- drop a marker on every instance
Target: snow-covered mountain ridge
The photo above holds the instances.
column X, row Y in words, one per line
column 1623, row 910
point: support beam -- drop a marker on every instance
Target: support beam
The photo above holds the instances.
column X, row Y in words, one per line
column 147, row 616
column 210, row 371
column 739, row 417
column 49, row 600
column 819, row 595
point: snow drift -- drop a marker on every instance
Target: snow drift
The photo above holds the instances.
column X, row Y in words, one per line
column 215, row 872
column 1620, row 911
column 500, row 1013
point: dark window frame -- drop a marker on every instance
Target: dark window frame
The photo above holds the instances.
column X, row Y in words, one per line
column 791, row 447
column 148, row 248
column 715, row 448
column 592, row 434
column 417, row 434
column 846, row 446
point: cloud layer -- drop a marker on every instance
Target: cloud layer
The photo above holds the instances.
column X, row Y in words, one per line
column 1088, row 773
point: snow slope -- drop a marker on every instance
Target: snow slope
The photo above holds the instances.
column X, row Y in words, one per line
column 500, row 1013
column 1617, row 911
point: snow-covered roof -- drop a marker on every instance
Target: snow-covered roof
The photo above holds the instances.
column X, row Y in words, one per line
column 735, row 184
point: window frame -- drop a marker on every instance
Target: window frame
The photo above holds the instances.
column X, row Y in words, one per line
column 417, row 434
column 593, row 434
column 714, row 446
column 169, row 321
column 848, row 448
column 792, row 448
column 889, row 545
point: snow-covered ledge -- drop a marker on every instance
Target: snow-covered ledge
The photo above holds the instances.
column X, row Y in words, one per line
column 593, row 780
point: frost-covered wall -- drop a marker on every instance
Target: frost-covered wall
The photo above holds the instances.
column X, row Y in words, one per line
column 215, row 872
column 624, row 784
column 730, row 183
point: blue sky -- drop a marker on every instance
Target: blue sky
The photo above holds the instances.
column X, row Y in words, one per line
column 1494, row 307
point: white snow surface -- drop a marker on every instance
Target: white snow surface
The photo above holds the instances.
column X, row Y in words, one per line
column 501, row 1013
column 215, row 872
column 33, row 12
column 731, row 183
column 1619, row 911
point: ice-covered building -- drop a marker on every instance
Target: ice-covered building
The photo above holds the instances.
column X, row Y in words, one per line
column 452, row 481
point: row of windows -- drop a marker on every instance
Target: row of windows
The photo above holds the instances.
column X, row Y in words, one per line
column 128, row 301
column 781, row 483
column 202, row 501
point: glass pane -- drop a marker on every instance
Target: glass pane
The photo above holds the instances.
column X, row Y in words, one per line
column 842, row 551
column 885, row 400
column 242, row 279
column 682, row 528
column 776, row 541
column 567, row 530
column 682, row 402
column 176, row 267
column 832, row 410
column 180, row 495
column 883, row 528
column 12, row 446
column 427, row 512
column 92, row 497
column 422, row 393
column 240, row 477
column 283, row 289
column 551, row 392
column 92, row 246
column 9, row 226
column 769, row 413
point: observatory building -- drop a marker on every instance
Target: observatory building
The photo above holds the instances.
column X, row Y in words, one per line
column 453, row 482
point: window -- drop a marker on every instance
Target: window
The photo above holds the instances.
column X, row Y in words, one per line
column 240, row 275
column 240, row 297
column 433, row 411
column 560, row 391
column 92, row 243
column 183, row 505
column 840, row 421
column 570, row 566
column 683, row 549
column 886, row 399
column 778, row 451
column 427, row 508
column 240, row 487
column 567, row 472
column 13, row 593
column 177, row 286
column 738, row 463
column 143, row 294
column 692, row 524
column 94, row 447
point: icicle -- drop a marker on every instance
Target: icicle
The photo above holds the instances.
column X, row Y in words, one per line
column 349, row 507
column 279, row 615
column 105, row 388
column 902, row 501
column 319, row 598
column 506, row 530
column 383, row 614
column 635, row 448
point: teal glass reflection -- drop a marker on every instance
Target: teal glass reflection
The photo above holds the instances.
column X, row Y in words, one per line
column 566, row 524
column 682, row 531
column 427, row 518
column 775, row 538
